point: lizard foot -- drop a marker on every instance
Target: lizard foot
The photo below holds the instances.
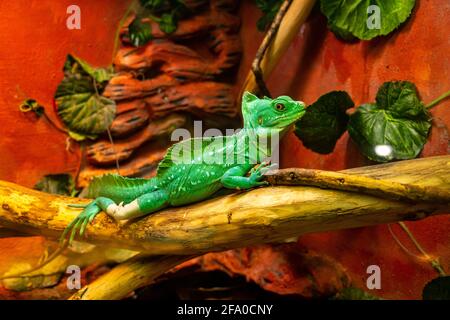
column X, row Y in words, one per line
column 86, row 216
column 257, row 173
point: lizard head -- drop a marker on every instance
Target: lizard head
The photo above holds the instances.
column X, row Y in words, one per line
column 270, row 114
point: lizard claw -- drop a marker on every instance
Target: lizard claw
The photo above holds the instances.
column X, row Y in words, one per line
column 257, row 173
column 268, row 168
column 259, row 167
column 81, row 221
column 263, row 168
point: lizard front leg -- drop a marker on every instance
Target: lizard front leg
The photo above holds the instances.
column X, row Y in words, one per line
column 235, row 178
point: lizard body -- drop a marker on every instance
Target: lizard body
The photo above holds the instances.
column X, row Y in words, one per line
column 205, row 166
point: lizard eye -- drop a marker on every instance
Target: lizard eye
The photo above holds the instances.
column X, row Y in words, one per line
column 279, row 106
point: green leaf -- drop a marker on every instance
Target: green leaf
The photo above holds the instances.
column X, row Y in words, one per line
column 400, row 97
column 87, row 114
column 166, row 13
column 324, row 122
column 269, row 9
column 74, row 65
column 354, row 17
column 80, row 106
column 352, row 293
column 168, row 23
column 437, row 289
column 62, row 184
column 139, row 33
column 395, row 128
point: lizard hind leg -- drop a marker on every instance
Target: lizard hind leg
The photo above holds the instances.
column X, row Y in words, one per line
column 141, row 206
column 86, row 216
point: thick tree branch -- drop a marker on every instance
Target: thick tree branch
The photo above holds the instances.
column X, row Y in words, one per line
column 246, row 218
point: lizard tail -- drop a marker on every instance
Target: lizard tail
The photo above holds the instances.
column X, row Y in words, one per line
column 52, row 257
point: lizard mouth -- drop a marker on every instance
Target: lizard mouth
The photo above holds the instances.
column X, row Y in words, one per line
column 286, row 120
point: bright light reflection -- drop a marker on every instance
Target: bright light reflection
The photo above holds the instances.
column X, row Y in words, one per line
column 383, row 150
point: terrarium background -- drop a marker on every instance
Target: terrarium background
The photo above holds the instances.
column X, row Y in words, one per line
column 35, row 41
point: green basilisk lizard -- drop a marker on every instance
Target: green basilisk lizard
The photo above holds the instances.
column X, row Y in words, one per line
column 192, row 170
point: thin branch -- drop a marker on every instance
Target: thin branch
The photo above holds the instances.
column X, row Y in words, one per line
column 289, row 27
column 256, row 65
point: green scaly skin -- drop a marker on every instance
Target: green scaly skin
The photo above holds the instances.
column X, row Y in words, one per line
column 180, row 183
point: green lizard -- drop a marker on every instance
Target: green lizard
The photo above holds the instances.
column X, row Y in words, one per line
column 206, row 165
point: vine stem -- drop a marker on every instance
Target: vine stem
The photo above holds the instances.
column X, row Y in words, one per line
column 45, row 116
column 438, row 100
column 131, row 7
column 109, row 133
column 53, row 123
column 114, row 150
column 434, row 262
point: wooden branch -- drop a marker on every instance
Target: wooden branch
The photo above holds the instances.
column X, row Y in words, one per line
column 50, row 274
column 138, row 272
column 262, row 215
column 347, row 182
column 295, row 16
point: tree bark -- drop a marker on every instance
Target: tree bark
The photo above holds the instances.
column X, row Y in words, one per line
column 262, row 215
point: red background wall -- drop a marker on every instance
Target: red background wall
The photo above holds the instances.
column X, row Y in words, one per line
column 34, row 43
column 317, row 62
